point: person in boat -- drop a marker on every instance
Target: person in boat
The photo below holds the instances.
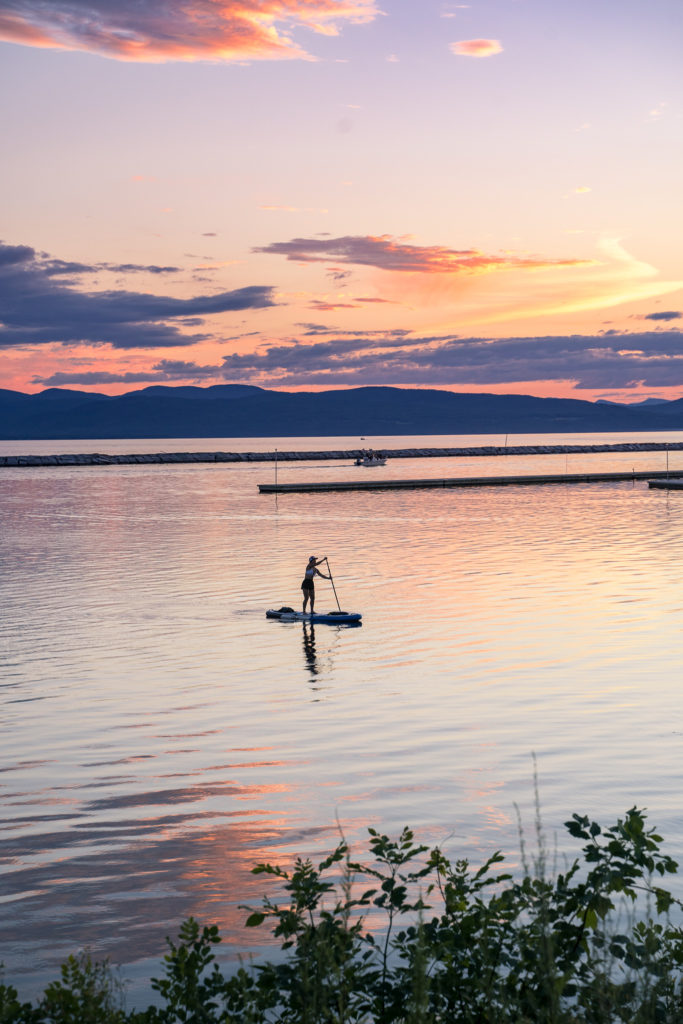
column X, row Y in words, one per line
column 307, row 584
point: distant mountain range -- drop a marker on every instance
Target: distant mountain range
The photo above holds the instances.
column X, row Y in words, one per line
column 239, row 410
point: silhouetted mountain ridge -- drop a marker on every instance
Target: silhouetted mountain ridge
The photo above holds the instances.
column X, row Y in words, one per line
column 241, row 410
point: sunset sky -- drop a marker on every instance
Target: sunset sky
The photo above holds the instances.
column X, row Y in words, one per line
column 305, row 194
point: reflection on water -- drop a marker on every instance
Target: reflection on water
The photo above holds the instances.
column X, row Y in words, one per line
column 315, row 667
column 160, row 736
column 309, row 648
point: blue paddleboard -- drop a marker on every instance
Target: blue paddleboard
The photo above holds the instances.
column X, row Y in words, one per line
column 289, row 615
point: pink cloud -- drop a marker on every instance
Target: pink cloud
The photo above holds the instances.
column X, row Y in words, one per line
column 330, row 306
column 387, row 253
column 476, row 47
column 325, row 306
column 17, row 28
column 187, row 30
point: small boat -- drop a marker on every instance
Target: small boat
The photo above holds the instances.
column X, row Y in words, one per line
column 370, row 460
column 333, row 618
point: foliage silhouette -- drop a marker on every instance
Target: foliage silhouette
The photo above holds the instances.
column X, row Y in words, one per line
column 411, row 938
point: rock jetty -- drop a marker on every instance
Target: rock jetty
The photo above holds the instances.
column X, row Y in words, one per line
column 98, row 459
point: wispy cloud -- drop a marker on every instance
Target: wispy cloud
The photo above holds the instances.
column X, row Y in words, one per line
column 90, row 378
column 41, row 306
column 670, row 314
column 274, row 208
column 451, row 11
column 350, row 302
column 476, row 47
column 24, row 254
column 277, row 208
column 329, row 305
column 596, row 361
column 165, row 371
column 609, row 360
column 186, row 30
column 338, row 275
column 387, row 253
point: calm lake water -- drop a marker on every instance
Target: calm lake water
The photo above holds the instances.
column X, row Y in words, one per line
column 160, row 736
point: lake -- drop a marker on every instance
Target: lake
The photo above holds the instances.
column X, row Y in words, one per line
column 161, row 736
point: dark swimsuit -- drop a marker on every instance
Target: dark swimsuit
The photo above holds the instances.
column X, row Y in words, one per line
column 307, row 583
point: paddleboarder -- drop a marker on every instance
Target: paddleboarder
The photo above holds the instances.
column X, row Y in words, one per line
column 307, row 584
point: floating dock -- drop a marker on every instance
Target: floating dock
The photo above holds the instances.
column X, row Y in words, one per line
column 674, row 483
column 467, row 481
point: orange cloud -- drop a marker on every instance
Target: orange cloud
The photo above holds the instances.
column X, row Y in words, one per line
column 476, row 47
column 387, row 253
column 353, row 302
column 325, row 306
column 177, row 30
column 17, row 28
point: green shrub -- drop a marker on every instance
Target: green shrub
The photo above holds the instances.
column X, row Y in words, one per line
column 466, row 945
column 410, row 938
column 14, row 1012
column 88, row 991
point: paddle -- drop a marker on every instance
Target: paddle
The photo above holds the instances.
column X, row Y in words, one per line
column 332, row 582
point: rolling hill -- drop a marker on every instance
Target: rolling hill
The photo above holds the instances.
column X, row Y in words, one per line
column 236, row 410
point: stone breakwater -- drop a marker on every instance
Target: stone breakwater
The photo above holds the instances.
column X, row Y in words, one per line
column 97, row 459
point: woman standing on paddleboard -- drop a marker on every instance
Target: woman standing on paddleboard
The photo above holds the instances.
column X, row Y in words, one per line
column 307, row 585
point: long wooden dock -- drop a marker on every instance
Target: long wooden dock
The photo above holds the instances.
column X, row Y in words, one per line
column 672, row 484
column 379, row 484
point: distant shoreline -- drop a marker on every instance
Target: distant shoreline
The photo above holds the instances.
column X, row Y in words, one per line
column 239, row 411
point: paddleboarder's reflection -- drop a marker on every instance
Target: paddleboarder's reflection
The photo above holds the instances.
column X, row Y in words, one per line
column 309, row 648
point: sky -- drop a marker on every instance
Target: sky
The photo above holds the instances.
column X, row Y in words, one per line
column 311, row 194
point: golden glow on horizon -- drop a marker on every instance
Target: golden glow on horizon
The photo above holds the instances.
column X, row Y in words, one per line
column 593, row 286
